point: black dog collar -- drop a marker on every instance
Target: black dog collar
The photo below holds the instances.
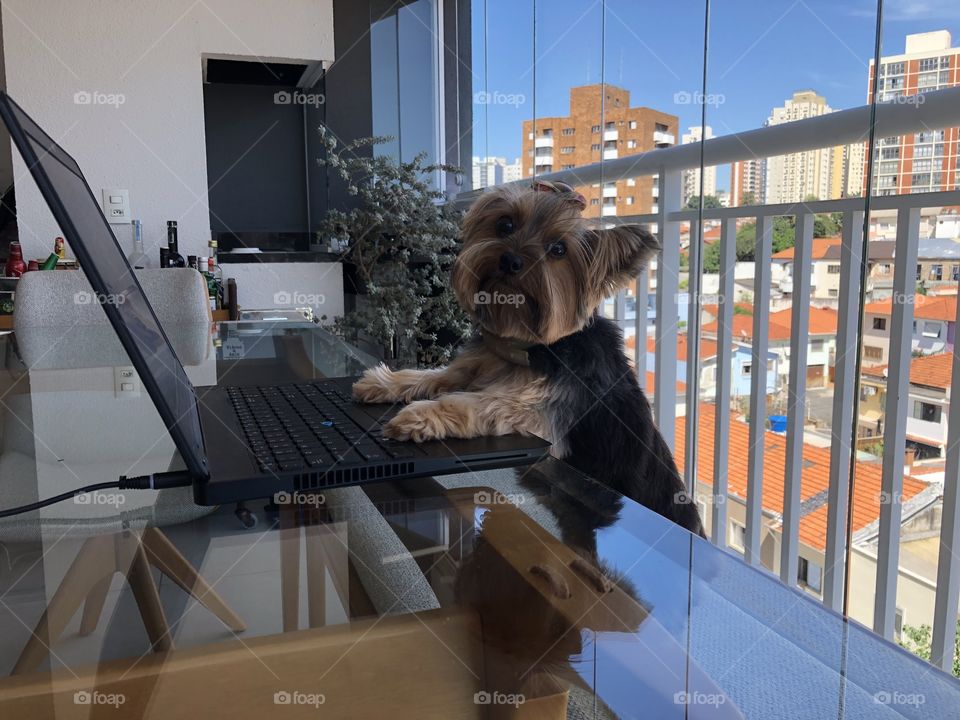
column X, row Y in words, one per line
column 509, row 349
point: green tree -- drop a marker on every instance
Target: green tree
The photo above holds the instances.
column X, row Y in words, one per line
column 783, row 236
column 749, row 198
column 918, row 641
column 709, row 202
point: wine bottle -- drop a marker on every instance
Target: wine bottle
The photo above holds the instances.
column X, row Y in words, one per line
column 176, row 259
column 137, row 258
column 164, row 257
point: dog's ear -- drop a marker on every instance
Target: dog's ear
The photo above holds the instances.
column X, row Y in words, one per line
column 618, row 255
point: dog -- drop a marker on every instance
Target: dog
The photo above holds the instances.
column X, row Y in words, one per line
column 532, row 273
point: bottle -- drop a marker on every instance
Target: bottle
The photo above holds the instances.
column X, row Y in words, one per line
column 164, row 257
column 15, row 266
column 176, row 259
column 31, row 266
column 138, row 258
column 214, row 285
column 59, row 247
column 51, row 262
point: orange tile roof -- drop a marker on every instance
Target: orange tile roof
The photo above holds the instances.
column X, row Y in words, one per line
column 932, row 370
column 823, row 321
column 817, row 252
column 815, row 478
column 708, row 348
column 651, row 379
column 925, row 307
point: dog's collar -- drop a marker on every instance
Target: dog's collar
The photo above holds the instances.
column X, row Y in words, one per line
column 509, row 349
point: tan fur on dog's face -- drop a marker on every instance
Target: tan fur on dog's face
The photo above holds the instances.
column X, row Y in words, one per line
column 535, row 249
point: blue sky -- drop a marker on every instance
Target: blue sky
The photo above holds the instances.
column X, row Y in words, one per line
column 760, row 53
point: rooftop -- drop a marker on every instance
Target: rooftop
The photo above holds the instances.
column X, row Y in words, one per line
column 933, row 371
column 925, row 307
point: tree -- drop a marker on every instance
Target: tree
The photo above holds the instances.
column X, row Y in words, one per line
column 709, row 202
column 749, row 198
column 783, row 233
column 825, row 226
column 918, row 640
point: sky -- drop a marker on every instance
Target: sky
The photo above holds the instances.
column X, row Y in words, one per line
column 760, row 52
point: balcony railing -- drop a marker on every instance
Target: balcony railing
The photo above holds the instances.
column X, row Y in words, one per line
column 941, row 109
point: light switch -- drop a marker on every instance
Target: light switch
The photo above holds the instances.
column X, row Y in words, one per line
column 126, row 382
column 116, row 205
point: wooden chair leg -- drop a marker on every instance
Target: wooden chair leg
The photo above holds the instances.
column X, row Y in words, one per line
column 316, row 576
column 93, row 606
column 289, row 568
column 146, row 594
column 165, row 556
column 93, row 563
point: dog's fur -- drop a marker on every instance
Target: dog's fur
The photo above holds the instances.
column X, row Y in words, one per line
column 578, row 390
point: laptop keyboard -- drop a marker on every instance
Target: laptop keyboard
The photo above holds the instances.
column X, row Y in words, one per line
column 301, row 426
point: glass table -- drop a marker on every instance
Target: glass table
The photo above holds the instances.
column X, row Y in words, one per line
column 525, row 592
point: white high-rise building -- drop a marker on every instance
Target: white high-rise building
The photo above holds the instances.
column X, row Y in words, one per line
column 794, row 177
column 691, row 177
column 490, row 171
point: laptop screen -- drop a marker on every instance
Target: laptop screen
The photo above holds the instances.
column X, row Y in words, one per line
column 76, row 210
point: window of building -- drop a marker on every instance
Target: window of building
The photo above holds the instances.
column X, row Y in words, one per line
column 631, row 182
column 816, row 346
column 631, row 144
column 879, row 323
column 594, row 201
column 547, row 132
column 611, row 125
column 833, row 293
column 929, row 64
column 928, row 412
column 660, row 127
column 931, row 329
column 629, row 200
column 595, row 147
column 936, row 272
column 594, row 128
column 568, row 131
column 567, row 167
column 746, row 369
column 898, row 623
column 566, row 150
column 809, row 574
column 833, row 269
column 919, row 271
column 872, row 353
column 955, row 272
column 738, row 535
column 632, row 125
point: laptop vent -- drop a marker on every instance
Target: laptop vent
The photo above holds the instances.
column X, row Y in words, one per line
column 350, row 476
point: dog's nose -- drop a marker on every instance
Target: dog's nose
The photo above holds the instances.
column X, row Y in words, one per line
column 511, row 263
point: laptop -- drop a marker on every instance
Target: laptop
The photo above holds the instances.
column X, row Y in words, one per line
column 245, row 442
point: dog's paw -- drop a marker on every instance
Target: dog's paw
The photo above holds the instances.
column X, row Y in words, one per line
column 376, row 386
column 419, row 421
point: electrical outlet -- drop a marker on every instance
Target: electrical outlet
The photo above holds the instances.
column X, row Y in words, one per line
column 126, row 382
column 116, row 205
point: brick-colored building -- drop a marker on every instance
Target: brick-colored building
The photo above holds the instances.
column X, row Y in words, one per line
column 598, row 128
column 924, row 161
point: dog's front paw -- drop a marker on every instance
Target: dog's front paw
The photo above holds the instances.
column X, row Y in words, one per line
column 376, row 386
column 419, row 421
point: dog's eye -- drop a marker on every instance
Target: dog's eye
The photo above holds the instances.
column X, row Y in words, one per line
column 557, row 249
column 504, row 226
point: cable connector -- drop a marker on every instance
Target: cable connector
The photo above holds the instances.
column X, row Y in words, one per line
column 156, row 481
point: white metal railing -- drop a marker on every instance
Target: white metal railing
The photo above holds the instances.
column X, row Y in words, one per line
column 941, row 109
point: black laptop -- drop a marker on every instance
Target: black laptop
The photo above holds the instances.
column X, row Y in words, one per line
column 245, row 442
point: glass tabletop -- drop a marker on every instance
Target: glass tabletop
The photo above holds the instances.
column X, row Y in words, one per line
column 526, row 592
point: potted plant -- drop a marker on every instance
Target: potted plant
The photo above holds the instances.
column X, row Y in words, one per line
column 397, row 242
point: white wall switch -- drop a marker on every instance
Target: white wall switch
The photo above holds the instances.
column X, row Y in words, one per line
column 126, row 382
column 116, row 205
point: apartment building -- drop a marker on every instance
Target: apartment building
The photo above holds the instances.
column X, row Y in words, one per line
column 794, row 177
column 490, row 171
column 925, row 161
column 747, row 182
column 691, row 178
column 934, row 327
column 600, row 125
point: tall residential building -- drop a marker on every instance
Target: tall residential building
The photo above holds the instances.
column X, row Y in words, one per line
column 924, row 161
column 691, row 178
column 489, row 171
column 601, row 125
column 794, row 177
column 747, row 182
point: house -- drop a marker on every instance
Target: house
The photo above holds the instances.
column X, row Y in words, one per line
column 938, row 262
column 934, row 327
column 921, row 498
column 927, row 407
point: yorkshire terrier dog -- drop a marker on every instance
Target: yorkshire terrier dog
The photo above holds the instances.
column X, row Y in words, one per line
column 532, row 273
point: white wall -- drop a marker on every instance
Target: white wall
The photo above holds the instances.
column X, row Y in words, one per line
column 150, row 53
